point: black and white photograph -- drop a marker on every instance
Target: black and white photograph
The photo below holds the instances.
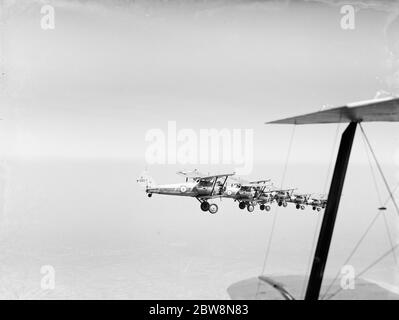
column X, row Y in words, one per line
column 198, row 150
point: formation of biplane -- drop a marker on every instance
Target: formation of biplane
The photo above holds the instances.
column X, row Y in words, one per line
column 248, row 194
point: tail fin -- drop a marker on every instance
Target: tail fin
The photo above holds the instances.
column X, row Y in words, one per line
column 145, row 181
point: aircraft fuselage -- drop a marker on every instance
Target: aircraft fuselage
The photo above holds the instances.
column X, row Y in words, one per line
column 177, row 189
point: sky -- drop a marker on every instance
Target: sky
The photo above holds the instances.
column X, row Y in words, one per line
column 111, row 71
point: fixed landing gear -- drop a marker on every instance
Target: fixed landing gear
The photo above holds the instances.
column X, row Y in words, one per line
column 206, row 206
column 213, row 208
column 282, row 203
column 318, row 208
column 149, row 195
column 250, row 208
column 298, row 206
column 264, row 207
column 242, row 205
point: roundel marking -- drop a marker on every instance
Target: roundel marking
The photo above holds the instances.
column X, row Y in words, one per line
column 183, row 189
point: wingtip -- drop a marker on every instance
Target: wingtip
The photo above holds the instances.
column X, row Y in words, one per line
column 272, row 122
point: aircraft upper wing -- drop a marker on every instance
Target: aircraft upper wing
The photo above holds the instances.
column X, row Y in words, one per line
column 318, row 196
column 240, row 180
column 282, row 190
column 218, row 176
column 247, row 183
column 260, row 182
column 194, row 174
column 254, row 185
column 386, row 109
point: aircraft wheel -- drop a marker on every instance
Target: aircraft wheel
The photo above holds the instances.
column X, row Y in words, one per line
column 242, row 205
column 205, row 206
column 262, row 207
column 297, row 206
column 285, row 204
column 314, row 208
column 149, row 195
column 280, row 204
column 318, row 209
column 303, row 207
column 213, row 208
column 267, row 208
column 250, row 208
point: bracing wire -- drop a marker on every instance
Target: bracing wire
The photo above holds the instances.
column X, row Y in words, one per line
column 377, row 190
column 388, row 188
column 319, row 217
column 367, row 144
column 368, row 268
column 352, row 253
column 380, row 170
column 393, row 192
column 288, row 156
column 379, row 198
column 270, row 238
column 390, row 238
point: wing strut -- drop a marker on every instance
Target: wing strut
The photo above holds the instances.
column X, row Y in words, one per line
column 327, row 227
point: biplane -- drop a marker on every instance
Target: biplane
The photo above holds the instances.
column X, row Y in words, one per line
column 282, row 197
column 246, row 192
column 300, row 200
column 317, row 202
column 197, row 185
